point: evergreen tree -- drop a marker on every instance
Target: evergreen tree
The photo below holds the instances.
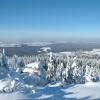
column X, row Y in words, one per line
column 88, row 74
column 78, row 73
column 15, row 61
column 4, row 60
column 59, row 71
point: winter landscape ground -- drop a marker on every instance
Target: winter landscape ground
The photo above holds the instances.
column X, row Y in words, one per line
column 89, row 91
column 50, row 76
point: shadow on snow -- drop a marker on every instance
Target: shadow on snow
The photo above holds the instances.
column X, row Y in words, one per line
column 54, row 93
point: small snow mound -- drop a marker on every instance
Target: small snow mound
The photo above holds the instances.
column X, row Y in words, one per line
column 7, row 85
column 45, row 49
column 55, row 85
column 94, row 84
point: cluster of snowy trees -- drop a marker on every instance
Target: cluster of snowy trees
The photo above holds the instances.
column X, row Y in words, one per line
column 67, row 69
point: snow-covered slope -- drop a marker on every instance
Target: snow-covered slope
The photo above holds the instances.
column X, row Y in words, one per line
column 69, row 92
column 93, row 52
column 88, row 91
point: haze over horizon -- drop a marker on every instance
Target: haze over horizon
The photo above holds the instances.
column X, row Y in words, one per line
column 49, row 19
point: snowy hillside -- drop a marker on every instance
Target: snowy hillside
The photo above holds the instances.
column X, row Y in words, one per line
column 69, row 92
column 56, row 92
column 49, row 76
column 93, row 52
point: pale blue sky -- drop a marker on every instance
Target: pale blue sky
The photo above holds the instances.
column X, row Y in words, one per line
column 49, row 19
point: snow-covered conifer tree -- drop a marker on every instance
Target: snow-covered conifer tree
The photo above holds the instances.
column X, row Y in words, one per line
column 50, row 69
column 69, row 72
column 4, row 67
column 78, row 73
column 59, row 71
column 21, row 65
column 88, row 74
column 15, row 61
column 4, row 60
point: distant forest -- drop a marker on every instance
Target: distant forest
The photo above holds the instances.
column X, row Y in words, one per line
column 58, row 47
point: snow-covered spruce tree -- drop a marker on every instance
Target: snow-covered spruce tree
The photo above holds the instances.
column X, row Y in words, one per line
column 4, row 60
column 98, row 70
column 78, row 73
column 88, row 74
column 94, row 74
column 15, row 61
column 63, row 75
column 4, row 67
column 50, row 71
column 20, row 65
column 69, row 72
column 91, row 74
column 42, row 75
column 67, row 69
column 59, row 71
column 50, row 68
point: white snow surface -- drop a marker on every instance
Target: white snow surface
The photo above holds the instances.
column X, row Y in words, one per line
column 93, row 52
column 54, row 91
column 35, row 64
column 33, row 67
column 18, row 44
column 67, row 53
column 7, row 85
column 45, row 49
column 12, row 96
